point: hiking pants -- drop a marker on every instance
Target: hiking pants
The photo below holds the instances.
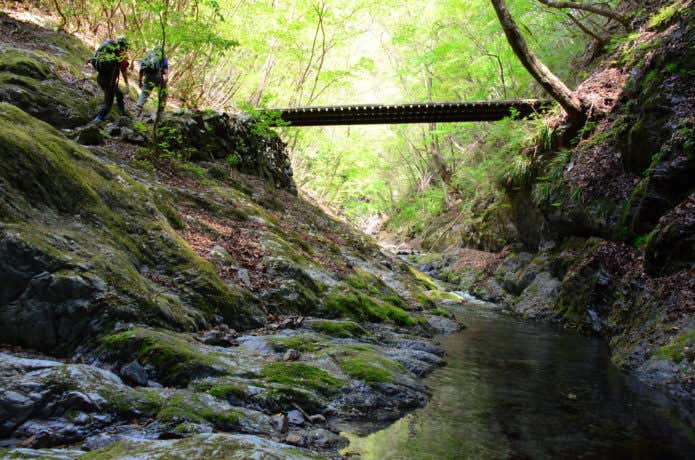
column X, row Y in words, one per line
column 152, row 82
column 108, row 81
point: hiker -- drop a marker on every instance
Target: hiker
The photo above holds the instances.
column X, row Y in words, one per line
column 111, row 61
column 154, row 67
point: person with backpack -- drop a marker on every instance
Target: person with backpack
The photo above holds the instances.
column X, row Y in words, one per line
column 110, row 61
column 154, row 67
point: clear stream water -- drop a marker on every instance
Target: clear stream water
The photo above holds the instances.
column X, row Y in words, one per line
column 515, row 390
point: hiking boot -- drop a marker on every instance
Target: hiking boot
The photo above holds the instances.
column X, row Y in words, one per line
column 97, row 119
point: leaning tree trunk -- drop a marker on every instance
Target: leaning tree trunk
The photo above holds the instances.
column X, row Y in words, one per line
column 547, row 79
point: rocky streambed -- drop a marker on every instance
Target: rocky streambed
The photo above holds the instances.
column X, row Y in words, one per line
column 285, row 391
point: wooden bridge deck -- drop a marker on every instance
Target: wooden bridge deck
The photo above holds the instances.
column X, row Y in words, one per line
column 372, row 114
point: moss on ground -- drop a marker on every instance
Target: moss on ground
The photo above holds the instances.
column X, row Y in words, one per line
column 177, row 409
column 354, row 304
column 175, row 357
column 302, row 375
column 338, row 328
column 221, row 390
column 25, row 63
column 681, row 347
column 425, row 281
column 438, row 295
column 301, row 342
column 363, row 363
column 440, row 312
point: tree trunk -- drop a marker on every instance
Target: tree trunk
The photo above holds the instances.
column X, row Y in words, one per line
column 551, row 83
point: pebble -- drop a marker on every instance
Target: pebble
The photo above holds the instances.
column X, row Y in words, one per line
column 295, row 417
column 295, row 440
column 291, row 355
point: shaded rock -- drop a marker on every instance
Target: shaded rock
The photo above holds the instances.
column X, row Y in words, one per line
column 444, row 325
column 221, row 336
column 89, row 135
column 672, row 245
column 324, row 439
column 295, row 417
column 219, row 256
column 291, row 355
column 295, row 440
column 317, row 419
column 260, row 155
column 540, row 297
column 243, row 275
column 279, row 422
column 134, row 373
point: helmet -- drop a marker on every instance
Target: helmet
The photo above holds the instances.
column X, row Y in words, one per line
column 122, row 41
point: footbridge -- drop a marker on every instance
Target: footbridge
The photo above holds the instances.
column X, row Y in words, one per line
column 425, row 112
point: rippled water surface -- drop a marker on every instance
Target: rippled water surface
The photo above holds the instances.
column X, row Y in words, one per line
column 518, row 390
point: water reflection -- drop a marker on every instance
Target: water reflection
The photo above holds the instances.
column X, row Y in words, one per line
column 517, row 390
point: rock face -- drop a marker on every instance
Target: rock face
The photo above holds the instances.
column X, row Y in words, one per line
column 42, row 74
column 133, row 269
column 239, row 140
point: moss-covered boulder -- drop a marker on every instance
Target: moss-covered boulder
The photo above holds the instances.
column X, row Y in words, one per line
column 47, row 88
column 101, row 246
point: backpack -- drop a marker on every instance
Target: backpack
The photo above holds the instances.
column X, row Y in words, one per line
column 151, row 62
column 105, row 56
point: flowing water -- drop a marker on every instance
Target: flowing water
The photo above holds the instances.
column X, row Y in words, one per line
column 525, row 391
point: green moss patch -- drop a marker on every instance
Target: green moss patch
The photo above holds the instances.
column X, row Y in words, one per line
column 362, row 363
column 23, row 63
column 302, row 375
column 425, row 281
column 354, row 304
column 176, row 358
column 301, row 342
column 178, row 409
column 679, row 348
column 338, row 328
column 436, row 294
column 441, row 312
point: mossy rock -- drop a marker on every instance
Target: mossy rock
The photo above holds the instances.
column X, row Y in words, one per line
column 363, row 363
column 439, row 295
column 354, row 304
column 201, row 447
column 300, row 342
column 681, row 347
column 62, row 201
column 337, row 328
column 28, row 82
column 25, row 63
column 176, row 358
column 302, row 375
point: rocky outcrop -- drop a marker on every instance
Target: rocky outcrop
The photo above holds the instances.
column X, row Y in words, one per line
column 41, row 72
column 239, row 140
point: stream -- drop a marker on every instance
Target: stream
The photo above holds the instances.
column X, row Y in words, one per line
column 520, row 390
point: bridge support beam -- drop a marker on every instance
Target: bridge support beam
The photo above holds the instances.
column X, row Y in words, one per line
column 437, row 112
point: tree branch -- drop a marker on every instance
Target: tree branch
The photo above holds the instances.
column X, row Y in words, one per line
column 588, row 7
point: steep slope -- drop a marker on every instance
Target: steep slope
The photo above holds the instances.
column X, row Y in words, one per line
column 601, row 237
column 123, row 269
